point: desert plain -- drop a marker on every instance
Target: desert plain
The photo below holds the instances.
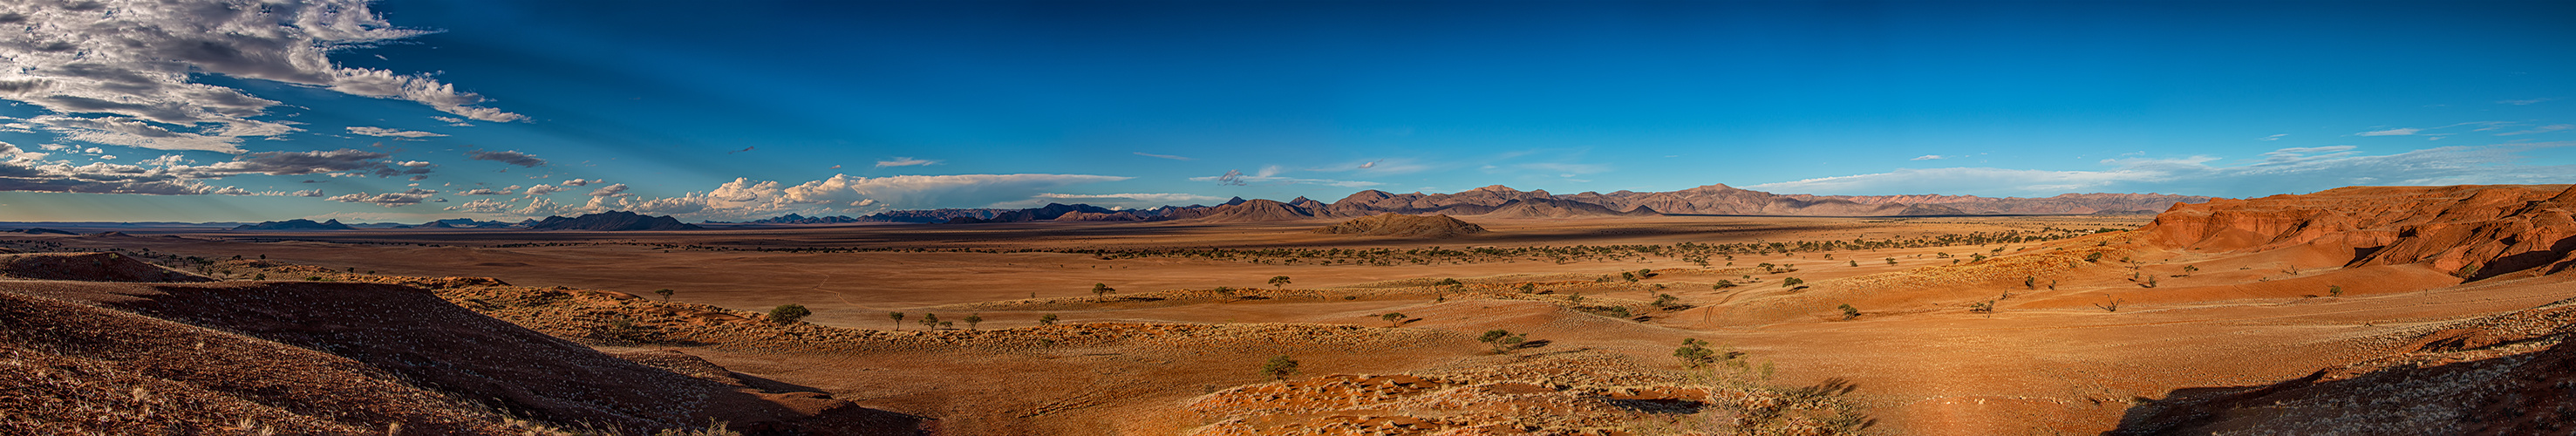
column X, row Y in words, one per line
column 1938, row 325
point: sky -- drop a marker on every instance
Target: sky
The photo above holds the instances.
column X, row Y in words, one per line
column 412, row 110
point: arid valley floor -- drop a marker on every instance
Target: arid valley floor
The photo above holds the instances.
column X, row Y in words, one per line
column 1957, row 325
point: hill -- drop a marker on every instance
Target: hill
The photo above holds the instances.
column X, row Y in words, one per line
column 612, row 221
column 1390, row 224
column 2471, row 232
column 295, row 224
column 1247, row 212
column 1553, row 208
column 344, row 358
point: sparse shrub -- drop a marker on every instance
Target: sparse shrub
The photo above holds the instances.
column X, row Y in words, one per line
column 1721, row 285
column 1646, row 273
column 1047, row 319
column 898, row 319
column 666, row 294
column 1855, row 263
column 1891, row 261
column 1221, row 290
column 930, row 320
column 1694, row 353
column 788, row 313
column 972, row 319
column 2188, row 269
column 2113, row 307
column 2151, row 282
column 1792, row 281
column 1849, row 312
column 1608, row 311
column 2030, row 282
column 1279, row 367
column 1503, row 341
column 2095, row 257
column 1576, row 298
column 2334, row 290
column 1629, row 276
column 1667, row 301
column 1101, row 289
column 1449, row 282
column 1350, row 297
column 947, row 324
column 1529, row 288
column 1279, row 282
column 1985, row 307
column 1391, row 318
column 313, row 278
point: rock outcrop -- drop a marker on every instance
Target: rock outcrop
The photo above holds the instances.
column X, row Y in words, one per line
column 2473, row 232
column 1418, row 226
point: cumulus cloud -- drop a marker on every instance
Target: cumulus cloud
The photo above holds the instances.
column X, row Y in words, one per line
column 512, row 157
column 29, row 171
column 389, row 199
column 745, row 198
column 133, row 60
column 512, row 190
column 905, row 162
column 616, row 190
column 2288, row 170
column 1929, row 157
column 2390, row 132
column 380, row 131
column 579, row 182
column 546, row 189
column 486, row 205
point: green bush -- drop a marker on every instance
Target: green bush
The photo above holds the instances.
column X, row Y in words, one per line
column 788, row 313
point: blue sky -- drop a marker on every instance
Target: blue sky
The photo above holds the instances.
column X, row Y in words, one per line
column 203, row 110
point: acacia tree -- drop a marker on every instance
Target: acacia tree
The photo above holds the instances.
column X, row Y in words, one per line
column 1278, row 282
column 1101, row 289
column 972, row 319
column 1391, row 318
column 930, row 320
column 666, row 294
column 1047, row 319
column 1503, row 341
column 898, row 319
column 1694, row 353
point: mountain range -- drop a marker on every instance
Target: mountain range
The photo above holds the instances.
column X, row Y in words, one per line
column 1499, row 201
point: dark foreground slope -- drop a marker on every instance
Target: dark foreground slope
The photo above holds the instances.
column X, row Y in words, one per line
column 342, row 358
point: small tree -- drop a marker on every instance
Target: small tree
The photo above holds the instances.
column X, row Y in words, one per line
column 1792, row 281
column 666, row 294
column 1101, row 289
column 1645, row 273
column 2030, row 282
column 1503, row 341
column 2113, row 307
column 1694, row 353
column 2334, row 290
column 1985, row 307
column 1047, row 319
column 930, row 320
column 1629, row 276
column 1279, row 367
column 1667, row 301
column 1855, row 263
column 1722, row 285
column 1391, row 318
column 788, row 313
column 1278, row 282
column 1849, row 312
column 1891, row 261
column 898, row 319
column 972, row 319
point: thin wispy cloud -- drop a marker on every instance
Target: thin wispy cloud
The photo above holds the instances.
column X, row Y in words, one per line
column 2541, row 129
column 1163, row 156
column 1930, row 157
column 2390, row 132
column 380, row 131
column 2275, row 137
column 2525, row 102
column 2303, row 169
column 1238, row 178
column 905, row 162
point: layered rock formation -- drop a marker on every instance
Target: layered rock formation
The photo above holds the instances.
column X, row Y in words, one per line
column 2473, row 232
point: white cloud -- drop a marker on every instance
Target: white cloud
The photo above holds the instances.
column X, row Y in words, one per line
column 380, row 131
column 512, row 190
column 1133, row 201
column 2275, row 137
column 579, row 182
column 1164, row 156
column 616, row 190
column 512, row 157
column 1929, row 157
column 746, row 198
column 485, row 205
column 134, row 60
column 546, row 189
column 2541, row 129
column 389, row 199
column 2390, row 132
column 905, row 162
column 1237, row 178
column 2525, row 102
column 2289, row 170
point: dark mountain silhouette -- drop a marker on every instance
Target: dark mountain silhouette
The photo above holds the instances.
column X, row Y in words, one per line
column 295, row 224
column 613, row 221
